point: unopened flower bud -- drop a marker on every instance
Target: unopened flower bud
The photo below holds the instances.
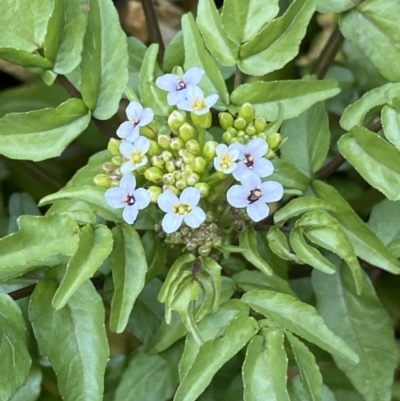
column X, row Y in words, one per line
column 187, row 157
column 109, row 168
column 193, row 146
column 232, row 131
column 154, row 174
column 246, row 111
column 147, row 132
column 217, row 241
column 157, row 227
column 240, row 123
column 203, row 188
column 117, row 160
column 203, row 120
column 185, row 230
column 270, row 154
column 154, row 193
column 260, row 123
column 167, row 156
column 164, row 141
column 193, row 179
column 262, row 135
column 186, row 132
column 209, row 217
column 173, row 189
column 177, row 143
column 113, row 146
column 236, row 140
column 209, row 150
column 168, row 179
column 246, row 138
column 225, row 120
column 157, row 161
column 199, row 165
column 177, row 237
column 204, row 250
column 154, row 148
column 170, row 166
column 241, row 134
column 178, row 163
column 175, row 121
column 274, row 140
column 250, row 130
column 181, row 184
column 102, row 180
column 227, row 137
column 214, row 227
column 177, row 175
column 191, row 246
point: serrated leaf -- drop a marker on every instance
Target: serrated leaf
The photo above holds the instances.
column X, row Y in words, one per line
column 238, row 332
column 15, row 361
column 293, row 96
column 197, row 56
column 284, row 310
column 95, row 245
column 104, row 67
column 365, row 243
column 391, row 125
column 129, row 268
column 42, row 134
column 375, row 159
column 78, row 352
column 367, row 328
column 38, row 239
column 278, row 42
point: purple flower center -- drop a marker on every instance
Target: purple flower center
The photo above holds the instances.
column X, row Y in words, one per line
column 254, row 196
column 134, row 122
column 249, row 160
column 181, row 85
column 129, row 199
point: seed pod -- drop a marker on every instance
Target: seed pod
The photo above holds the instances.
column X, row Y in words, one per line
column 209, row 150
column 102, row 180
column 175, row 121
column 154, row 193
column 113, row 146
column 260, row 123
column 225, row 120
column 186, row 132
column 240, row 123
column 154, row 174
column 199, row 165
column 246, row 111
column 203, row 188
column 193, row 146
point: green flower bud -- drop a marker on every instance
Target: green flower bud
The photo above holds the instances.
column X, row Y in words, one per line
column 148, row 132
column 177, row 143
column 185, row 230
column 262, row 135
column 102, row 180
column 204, row 250
column 209, row 150
column 154, row 149
column 241, row 134
column 199, row 165
column 157, row 161
column 203, row 188
column 175, row 121
column 113, row 146
column 227, row 137
column 202, row 121
column 170, row 166
column 250, row 130
column 187, row 157
column 260, row 123
column 154, row 193
column 177, row 237
column 216, row 242
column 193, row 146
column 109, row 168
column 154, row 174
column 246, row 111
column 240, row 123
column 232, row 131
column 117, row 160
column 274, row 140
column 178, row 163
column 236, row 140
column 157, row 227
column 225, row 120
column 142, row 170
column 164, row 141
column 167, row 155
column 177, row 175
column 214, row 227
column 193, row 179
column 270, row 154
column 186, row 132
column 181, row 184
column 246, row 138
column 168, row 179
column 209, row 217
column 173, row 189
column 191, row 246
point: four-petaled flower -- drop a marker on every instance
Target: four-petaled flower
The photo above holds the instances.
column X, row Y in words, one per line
column 181, row 210
column 135, row 152
column 138, row 117
column 225, row 160
column 254, row 195
column 196, row 102
column 251, row 159
column 177, row 86
column 128, row 197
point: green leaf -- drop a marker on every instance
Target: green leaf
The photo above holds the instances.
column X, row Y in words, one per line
column 104, row 67
column 197, row 56
column 364, row 241
column 94, row 247
column 278, row 42
column 238, row 332
column 151, row 95
column 129, row 268
column 372, row 27
column 64, row 39
column 15, row 361
column 308, row 139
column 218, row 43
column 367, row 328
column 265, row 367
column 73, row 338
column 334, row 6
column 356, row 113
column 147, row 378
column 279, row 245
column 285, row 310
column 42, row 134
column 31, row 390
column 24, row 58
column 136, row 53
column 38, row 239
column 309, row 371
column 75, row 209
column 174, row 53
column 243, row 19
column 20, row 203
column 214, row 271
column 156, row 254
column 293, row 96
column 289, row 176
column 391, row 125
column 248, row 241
column 375, row 159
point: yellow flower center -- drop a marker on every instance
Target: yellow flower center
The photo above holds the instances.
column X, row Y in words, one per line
column 199, row 104
column 226, row 161
column 181, row 209
column 137, row 157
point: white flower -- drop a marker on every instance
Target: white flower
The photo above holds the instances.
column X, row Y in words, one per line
column 225, row 160
column 196, row 102
column 135, row 152
column 128, row 197
column 252, row 159
column 138, row 117
column 254, row 195
column 181, row 210
column 177, row 86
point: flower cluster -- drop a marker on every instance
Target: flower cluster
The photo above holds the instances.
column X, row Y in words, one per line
column 178, row 166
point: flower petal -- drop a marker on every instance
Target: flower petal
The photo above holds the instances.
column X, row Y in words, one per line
column 240, row 148
column 263, row 167
column 134, row 133
column 211, row 100
column 127, row 167
column 191, row 196
column 234, row 152
column 171, row 222
column 141, row 143
column 168, row 82
column 184, row 105
column 221, row 149
column 174, row 97
column 193, row 92
column 240, row 171
column 128, row 183
column 130, row 213
column 257, row 147
column 237, row 196
column 134, row 111
column 126, row 148
column 195, row 218
column 166, row 200
column 126, row 129
column 258, row 210
column 142, row 198
column 251, row 180
column 193, row 76
column 272, row 191
column 147, row 117
column 231, row 169
column 115, row 196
